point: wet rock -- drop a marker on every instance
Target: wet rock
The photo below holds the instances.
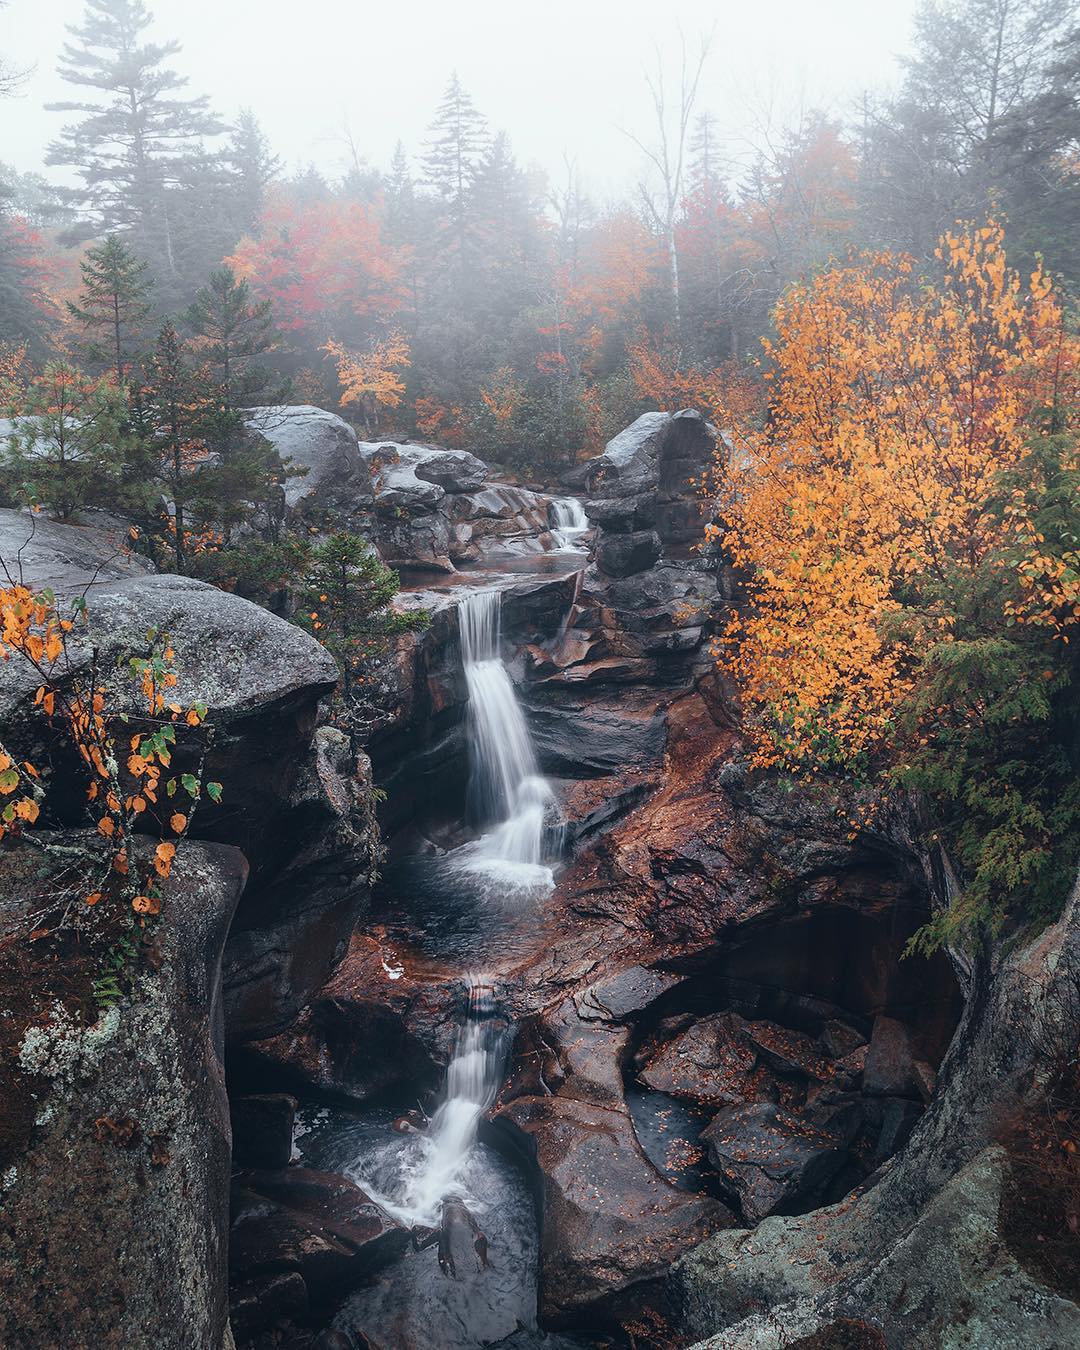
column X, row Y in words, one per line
column 317, row 441
column 328, row 1048
column 709, row 1062
column 287, row 943
column 890, row 1063
column 318, row 1224
column 262, row 1126
column 840, row 1039
column 115, row 1221
column 921, row 1253
column 787, row 1051
column 624, row 514
column 395, row 484
column 624, row 993
column 266, row 1301
column 452, row 470
column 622, row 555
column 769, row 1157
column 609, row 1220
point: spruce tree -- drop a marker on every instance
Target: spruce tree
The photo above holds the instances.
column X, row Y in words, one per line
column 176, row 405
column 236, row 330
column 136, row 136
column 113, row 303
column 457, row 140
column 253, row 167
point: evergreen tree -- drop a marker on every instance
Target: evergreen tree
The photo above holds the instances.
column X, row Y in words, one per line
column 136, row 137
column 986, row 119
column 113, row 304
column 345, row 601
column 67, row 445
column 457, row 140
column 176, row 405
column 27, row 314
column 236, row 330
column 253, row 167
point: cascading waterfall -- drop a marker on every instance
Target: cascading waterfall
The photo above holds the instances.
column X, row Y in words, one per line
column 435, row 1164
column 506, row 788
column 569, row 523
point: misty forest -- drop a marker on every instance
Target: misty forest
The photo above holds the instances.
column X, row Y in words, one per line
column 540, row 725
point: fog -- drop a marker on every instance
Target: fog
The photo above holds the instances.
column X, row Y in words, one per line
column 563, row 78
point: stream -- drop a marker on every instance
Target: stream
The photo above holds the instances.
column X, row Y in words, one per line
column 478, row 899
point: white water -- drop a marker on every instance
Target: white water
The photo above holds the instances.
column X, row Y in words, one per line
column 506, row 787
column 570, row 523
column 435, row 1164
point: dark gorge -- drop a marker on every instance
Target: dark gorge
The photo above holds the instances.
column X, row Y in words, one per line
column 611, row 1040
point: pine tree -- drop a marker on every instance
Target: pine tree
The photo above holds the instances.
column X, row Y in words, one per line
column 176, row 406
column 458, row 138
column 113, row 303
column 136, row 137
column 253, row 167
column 67, row 444
column 236, row 330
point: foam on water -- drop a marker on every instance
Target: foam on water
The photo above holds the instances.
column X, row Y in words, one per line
column 569, row 523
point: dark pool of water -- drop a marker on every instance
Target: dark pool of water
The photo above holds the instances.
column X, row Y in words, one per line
column 450, row 913
column 668, row 1130
column 412, row 1305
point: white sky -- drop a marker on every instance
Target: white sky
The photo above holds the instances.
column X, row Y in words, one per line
column 560, row 76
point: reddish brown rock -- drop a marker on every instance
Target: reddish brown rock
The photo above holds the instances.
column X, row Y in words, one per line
column 609, row 1219
column 710, row 1062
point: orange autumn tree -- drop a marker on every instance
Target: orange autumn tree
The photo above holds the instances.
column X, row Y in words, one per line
column 912, row 490
column 372, row 381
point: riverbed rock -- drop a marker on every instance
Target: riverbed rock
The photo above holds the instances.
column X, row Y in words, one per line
column 318, row 1225
column 609, row 1220
column 319, row 442
column 769, row 1157
column 262, row 1128
column 709, row 1061
column 114, row 1227
column 925, row 1253
column 890, row 1063
column 621, row 555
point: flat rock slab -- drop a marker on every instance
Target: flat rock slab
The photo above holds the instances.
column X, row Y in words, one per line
column 709, row 1062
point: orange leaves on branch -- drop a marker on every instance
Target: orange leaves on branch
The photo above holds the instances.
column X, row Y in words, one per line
column 896, row 407
column 373, row 379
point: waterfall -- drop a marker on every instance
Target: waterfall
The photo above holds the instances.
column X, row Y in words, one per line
column 434, row 1164
column 506, row 788
column 569, row 523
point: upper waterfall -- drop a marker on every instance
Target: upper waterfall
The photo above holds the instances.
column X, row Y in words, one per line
column 508, row 795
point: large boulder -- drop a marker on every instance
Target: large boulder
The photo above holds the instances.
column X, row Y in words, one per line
column 769, row 1158
column 318, row 442
column 926, row 1254
column 317, row 1227
column 646, row 479
column 415, row 478
column 114, row 1223
column 291, row 799
column 66, row 558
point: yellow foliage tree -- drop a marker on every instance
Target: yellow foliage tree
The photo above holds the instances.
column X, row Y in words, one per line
column 896, row 408
column 904, row 517
column 372, row 381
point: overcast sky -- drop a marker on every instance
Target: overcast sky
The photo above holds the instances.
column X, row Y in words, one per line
column 561, row 76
